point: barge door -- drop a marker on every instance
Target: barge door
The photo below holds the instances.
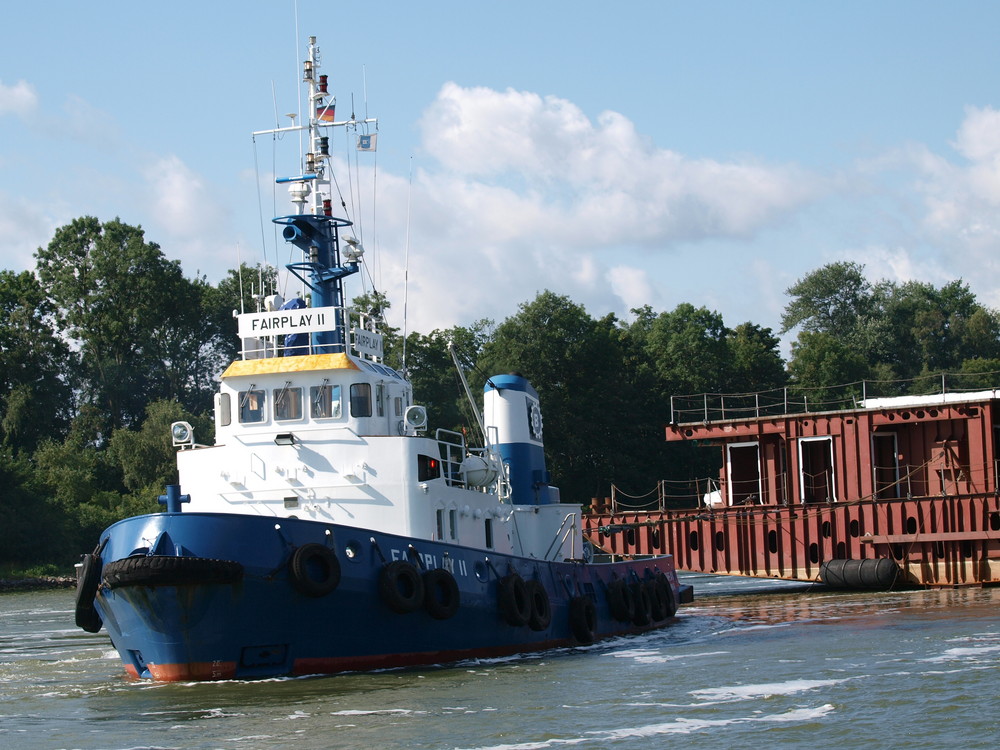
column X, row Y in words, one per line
column 885, row 459
column 743, row 461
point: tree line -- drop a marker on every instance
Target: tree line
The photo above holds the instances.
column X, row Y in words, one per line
column 106, row 343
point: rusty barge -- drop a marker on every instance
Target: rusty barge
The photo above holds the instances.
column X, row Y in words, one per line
column 899, row 491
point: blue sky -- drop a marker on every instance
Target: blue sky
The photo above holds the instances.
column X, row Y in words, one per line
column 648, row 153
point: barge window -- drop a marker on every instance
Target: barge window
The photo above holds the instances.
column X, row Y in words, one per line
column 361, row 400
column 288, row 403
column 252, row 405
column 324, row 401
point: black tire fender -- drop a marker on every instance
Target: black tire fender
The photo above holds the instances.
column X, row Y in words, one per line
column 314, row 570
column 621, row 603
column 87, row 582
column 541, row 610
column 512, row 598
column 441, row 595
column 583, row 619
column 401, row 587
column 643, row 606
column 168, row 570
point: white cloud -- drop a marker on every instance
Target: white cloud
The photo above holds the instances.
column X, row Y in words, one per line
column 632, row 286
column 526, row 193
column 187, row 220
column 603, row 175
column 19, row 99
column 24, row 229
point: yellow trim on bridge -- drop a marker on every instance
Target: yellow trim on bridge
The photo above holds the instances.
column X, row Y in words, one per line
column 302, row 363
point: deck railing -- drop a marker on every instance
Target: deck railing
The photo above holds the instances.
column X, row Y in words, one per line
column 712, row 407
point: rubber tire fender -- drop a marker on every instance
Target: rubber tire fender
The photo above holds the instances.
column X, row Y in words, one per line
column 401, row 587
column 513, row 601
column 170, row 570
column 87, row 583
column 663, row 584
column 314, row 570
column 643, row 606
column 541, row 610
column 441, row 595
column 583, row 619
column 621, row 603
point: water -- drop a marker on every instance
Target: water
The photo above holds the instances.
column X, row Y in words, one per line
column 751, row 663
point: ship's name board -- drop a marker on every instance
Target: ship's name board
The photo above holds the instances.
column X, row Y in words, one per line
column 284, row 322
column 368, row 342
column 430, row 562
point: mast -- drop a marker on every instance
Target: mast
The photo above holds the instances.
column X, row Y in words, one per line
column 314, row 229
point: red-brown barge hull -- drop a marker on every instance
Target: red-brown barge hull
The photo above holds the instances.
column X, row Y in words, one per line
column 914, row 483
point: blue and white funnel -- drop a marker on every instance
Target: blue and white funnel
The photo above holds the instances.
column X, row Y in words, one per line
column 513, row 419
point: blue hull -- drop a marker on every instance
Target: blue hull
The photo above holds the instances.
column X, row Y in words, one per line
column 253, row 613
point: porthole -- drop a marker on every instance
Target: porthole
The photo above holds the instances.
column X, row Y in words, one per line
column 353, row 551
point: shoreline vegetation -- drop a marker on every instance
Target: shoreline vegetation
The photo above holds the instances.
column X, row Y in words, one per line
column 31, row 584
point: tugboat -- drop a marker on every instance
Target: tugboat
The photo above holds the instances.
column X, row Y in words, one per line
column 329, row 530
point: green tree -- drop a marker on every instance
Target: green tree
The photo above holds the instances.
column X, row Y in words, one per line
column 431, row 370
column 826, row 372
column 27, row 521
column 690, row 351
column 35, row 398
column 147, row 457
column 574, row 363
column 754, row 360
column 829, row 300
column 136, row 320
column 240, row 291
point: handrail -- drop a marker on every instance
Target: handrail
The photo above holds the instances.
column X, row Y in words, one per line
column 556, row 537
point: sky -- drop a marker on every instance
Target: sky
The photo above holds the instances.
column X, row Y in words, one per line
column 647, row 153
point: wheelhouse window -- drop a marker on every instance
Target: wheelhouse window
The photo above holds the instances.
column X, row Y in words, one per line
column 288, row 403
column 252, row 404
column 380, row 399
column 324, row 401
column 361, row 400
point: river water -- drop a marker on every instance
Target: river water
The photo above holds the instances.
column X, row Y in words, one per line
column 750, row 663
